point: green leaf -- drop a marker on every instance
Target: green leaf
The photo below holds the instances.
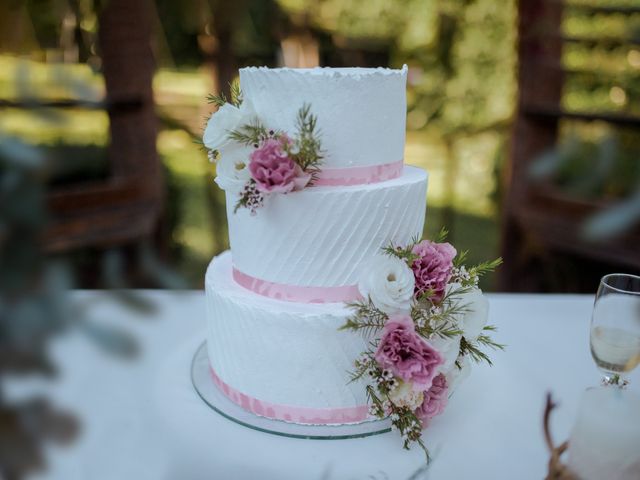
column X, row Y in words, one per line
column 236, row 92
column 442, row 235
column 250, row 134
column 217, row 100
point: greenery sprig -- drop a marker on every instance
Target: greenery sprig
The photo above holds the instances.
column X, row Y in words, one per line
column 485, row 267
column 367, row 319
column 433, row 317
column 217, row 99
column 473, row 349
column 236, row 92
column 220, row 99
column 304, row 149
column 307, row 151
column 251, row 134
column 403, row 419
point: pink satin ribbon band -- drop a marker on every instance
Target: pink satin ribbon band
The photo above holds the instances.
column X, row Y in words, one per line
column 296, row 293
column 340, row 177
column 286, row 413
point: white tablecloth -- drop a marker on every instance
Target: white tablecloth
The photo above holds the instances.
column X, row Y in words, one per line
column 143, row 419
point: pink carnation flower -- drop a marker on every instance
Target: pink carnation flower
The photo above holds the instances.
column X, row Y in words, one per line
column 273, row 170
column 435, row 399
column 406, row 354
column 432, row 269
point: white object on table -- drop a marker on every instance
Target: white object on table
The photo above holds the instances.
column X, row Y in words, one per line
column 605, row 441
column 144, row 420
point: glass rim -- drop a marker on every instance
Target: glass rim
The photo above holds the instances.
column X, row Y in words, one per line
column 604, row 279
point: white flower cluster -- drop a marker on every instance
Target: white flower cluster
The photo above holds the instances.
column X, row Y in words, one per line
column 462, row 275
column 475, row 312
column 410, row 432
column 374, row 410
column 361, row 361
column 457, row 375
column 389, row 283
column 404, row 395
column 434, row 310
column 387, row 380
column 232, row 158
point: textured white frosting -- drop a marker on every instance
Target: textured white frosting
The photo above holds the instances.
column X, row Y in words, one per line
column 281, row 352
column 361, row 111
column 324, row 236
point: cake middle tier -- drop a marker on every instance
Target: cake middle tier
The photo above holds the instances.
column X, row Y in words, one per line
column 322, row 237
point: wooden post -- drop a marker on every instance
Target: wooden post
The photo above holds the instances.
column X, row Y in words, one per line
column 540, row 80
column 128, row 66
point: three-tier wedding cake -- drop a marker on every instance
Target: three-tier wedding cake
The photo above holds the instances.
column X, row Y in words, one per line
column 276, row 300
column 329, row 309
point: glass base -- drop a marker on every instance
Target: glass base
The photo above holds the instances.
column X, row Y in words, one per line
column 614, row 379
column 217, row 401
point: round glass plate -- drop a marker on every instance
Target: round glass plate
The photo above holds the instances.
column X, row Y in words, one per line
column 215, row 399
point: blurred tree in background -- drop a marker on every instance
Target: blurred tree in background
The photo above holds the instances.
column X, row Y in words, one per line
column 457, row 122
column 461, row 94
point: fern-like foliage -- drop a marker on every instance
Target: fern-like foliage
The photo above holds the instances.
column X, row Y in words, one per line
column 250, row 134
column 473, row 349
column 308, row 147
column 236, row 92
column 485, row 267
column 404, row 253
column 366, row 318
column 442, row 235
column 218, row 100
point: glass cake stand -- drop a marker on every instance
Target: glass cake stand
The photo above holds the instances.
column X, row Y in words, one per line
column 216, row 400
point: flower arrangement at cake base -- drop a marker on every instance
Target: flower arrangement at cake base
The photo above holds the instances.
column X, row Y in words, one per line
column 426, row 321
column 253, row 161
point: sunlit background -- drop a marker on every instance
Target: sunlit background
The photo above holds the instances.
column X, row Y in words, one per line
column 462, row 97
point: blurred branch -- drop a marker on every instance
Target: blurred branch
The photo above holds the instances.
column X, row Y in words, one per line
column 614, row 221
column 120, row 105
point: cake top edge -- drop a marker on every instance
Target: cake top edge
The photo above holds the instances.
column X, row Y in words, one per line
column 330, row 71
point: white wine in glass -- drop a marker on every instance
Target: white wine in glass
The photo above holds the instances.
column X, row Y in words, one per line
column 615, row 350
column 615, row 327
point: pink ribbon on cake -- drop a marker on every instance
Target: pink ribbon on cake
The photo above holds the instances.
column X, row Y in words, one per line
column 340, row 177
column 296, row 293
column 287, row 413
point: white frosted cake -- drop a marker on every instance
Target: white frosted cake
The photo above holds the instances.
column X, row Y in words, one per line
column 276, row 300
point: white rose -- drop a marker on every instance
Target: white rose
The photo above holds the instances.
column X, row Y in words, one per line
column 389, row 282
column 476, row 308
column 403, row 395
column 227, row 118
column 477, row 315
column 232, row 168
column 449, row 348
column 456, row 375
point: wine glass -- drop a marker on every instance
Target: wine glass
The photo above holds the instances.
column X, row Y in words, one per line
column 615, row 327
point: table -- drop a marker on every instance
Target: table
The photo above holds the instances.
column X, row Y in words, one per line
column 143, row 419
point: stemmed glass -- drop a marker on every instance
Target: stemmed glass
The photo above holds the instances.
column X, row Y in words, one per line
column 615, row 327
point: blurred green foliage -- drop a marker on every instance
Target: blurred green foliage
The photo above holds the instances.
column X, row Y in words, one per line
column 461, row 96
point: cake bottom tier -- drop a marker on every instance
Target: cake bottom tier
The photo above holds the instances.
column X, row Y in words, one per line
column 281, row 360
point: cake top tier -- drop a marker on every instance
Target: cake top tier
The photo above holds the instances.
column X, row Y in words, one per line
column 361, row 111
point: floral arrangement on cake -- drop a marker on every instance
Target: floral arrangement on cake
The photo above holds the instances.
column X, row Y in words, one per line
column 426, row 320
column 253, row 161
